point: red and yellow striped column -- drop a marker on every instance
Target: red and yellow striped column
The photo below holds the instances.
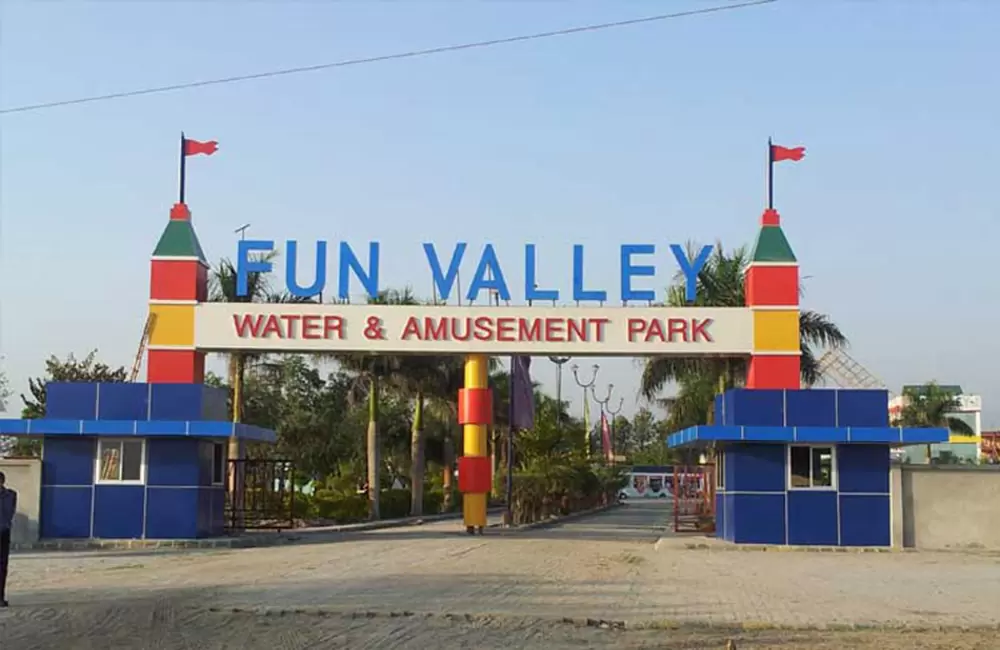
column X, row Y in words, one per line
column 772, row 292
column 178, row 282
column 475, row 414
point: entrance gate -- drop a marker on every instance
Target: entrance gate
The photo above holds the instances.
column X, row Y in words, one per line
column 186, row 328
column 260, row 495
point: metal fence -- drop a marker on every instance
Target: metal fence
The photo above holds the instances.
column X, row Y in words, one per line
column 259, row 495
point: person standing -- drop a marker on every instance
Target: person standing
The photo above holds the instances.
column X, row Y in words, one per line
column 8, row 506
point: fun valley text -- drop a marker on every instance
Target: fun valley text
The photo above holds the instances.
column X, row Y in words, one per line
column 636, row 261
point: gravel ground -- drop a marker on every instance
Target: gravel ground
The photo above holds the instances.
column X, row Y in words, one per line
column 433, row 586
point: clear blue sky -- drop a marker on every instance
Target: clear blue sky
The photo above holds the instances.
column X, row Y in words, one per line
column 653, row 133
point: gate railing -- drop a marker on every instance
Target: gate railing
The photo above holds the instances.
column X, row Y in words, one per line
column 694, row 498
column 259, row 495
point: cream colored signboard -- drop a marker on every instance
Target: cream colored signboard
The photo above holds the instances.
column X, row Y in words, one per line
column 576, row 331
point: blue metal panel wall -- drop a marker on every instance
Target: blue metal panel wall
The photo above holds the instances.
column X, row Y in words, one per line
column 863, row 408
column 172, row 513
column 863, row 468
column 65, row 512
column 71, row 401
column 865, row 520
column 173, row 461
column 755, row 468
column 811, row 408
column 758, row 518
column 720, row 515
column 812, row 518
column 119, row 511
column 68, row 461
column 123, row 401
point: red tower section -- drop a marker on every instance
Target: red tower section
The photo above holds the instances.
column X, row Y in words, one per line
column 178, row 282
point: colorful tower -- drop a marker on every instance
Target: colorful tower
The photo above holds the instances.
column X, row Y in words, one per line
column 475, row 414
column 178, row 282
column 772, row 292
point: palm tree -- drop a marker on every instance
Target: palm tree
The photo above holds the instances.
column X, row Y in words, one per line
column 931, row 405
column 721, row 283
column 370, row 372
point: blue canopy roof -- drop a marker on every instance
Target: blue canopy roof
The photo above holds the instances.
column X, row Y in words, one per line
column 136, row 428
column 808, row 435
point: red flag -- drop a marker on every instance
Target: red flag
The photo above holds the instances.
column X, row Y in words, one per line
column 195, row 147
column 779, row 153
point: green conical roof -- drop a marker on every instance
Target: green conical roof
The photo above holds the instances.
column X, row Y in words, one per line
column 179, row 240
column 771, row 246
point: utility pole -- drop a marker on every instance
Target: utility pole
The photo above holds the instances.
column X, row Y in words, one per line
column 586, row 406
column 559, row 361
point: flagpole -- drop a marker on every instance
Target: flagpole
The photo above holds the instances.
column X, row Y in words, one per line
column 770, row 175
column 183, row 157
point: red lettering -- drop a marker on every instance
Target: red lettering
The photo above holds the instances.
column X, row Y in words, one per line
column 555, row 330
column 412, row 328
column 532, row 333
column 484, row 328
column 272, row 326
column 333, row 325
column 310, row 327
column 636, row 326
column 601, row 323
column 699, row 330
column 678, row 327
column 460, row 336
column 246, row 324
column 578, row 329
column 436, row 330
column 655, row 330
column 506, row 330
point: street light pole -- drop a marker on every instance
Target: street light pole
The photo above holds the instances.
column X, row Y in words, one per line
column 559, row 361
column 614, row 414
column 603, row 402
column 576, row 377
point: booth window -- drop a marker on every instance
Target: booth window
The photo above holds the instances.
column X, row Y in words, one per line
column 218, row 463
column 811, row 467
column 720, row 470
column 121, row 461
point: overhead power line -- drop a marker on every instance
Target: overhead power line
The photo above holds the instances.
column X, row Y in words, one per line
column 385, row 57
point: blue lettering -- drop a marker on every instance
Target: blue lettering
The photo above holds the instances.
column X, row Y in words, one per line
column 690, row 268
column 349, row 263
column 245, row 265
column 531, row 290
column 291, row 263
column 579, row 293
column 629, row 271
column 445, row 281
column 488, row 276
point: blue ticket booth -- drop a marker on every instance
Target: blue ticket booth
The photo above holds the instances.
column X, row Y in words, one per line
column 133, row 461
column 803, row 467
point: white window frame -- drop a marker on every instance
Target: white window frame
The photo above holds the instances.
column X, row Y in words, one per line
column 224, row 463
column 834, row 478
column 142, row 466
column 720, row 470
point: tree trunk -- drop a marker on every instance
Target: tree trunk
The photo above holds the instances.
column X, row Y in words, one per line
column 417, row 458
column 236, row 451
column 374, row 451
column 449, row 468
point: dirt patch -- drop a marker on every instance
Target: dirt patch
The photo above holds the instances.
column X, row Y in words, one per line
column 159, row 625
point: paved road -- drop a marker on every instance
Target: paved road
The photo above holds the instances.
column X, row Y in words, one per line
column 601, row 567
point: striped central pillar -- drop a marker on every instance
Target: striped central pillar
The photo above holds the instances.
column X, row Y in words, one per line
column 475, row 414
column 772, row 292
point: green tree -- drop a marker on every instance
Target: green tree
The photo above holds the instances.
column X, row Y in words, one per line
column 370, row 373
column 931, row 406
column 721, row 283
column 87, row 369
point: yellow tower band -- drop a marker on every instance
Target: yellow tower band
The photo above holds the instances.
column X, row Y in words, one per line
column 474, row 440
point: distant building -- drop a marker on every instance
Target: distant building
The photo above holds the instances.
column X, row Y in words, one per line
column 970, row 411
